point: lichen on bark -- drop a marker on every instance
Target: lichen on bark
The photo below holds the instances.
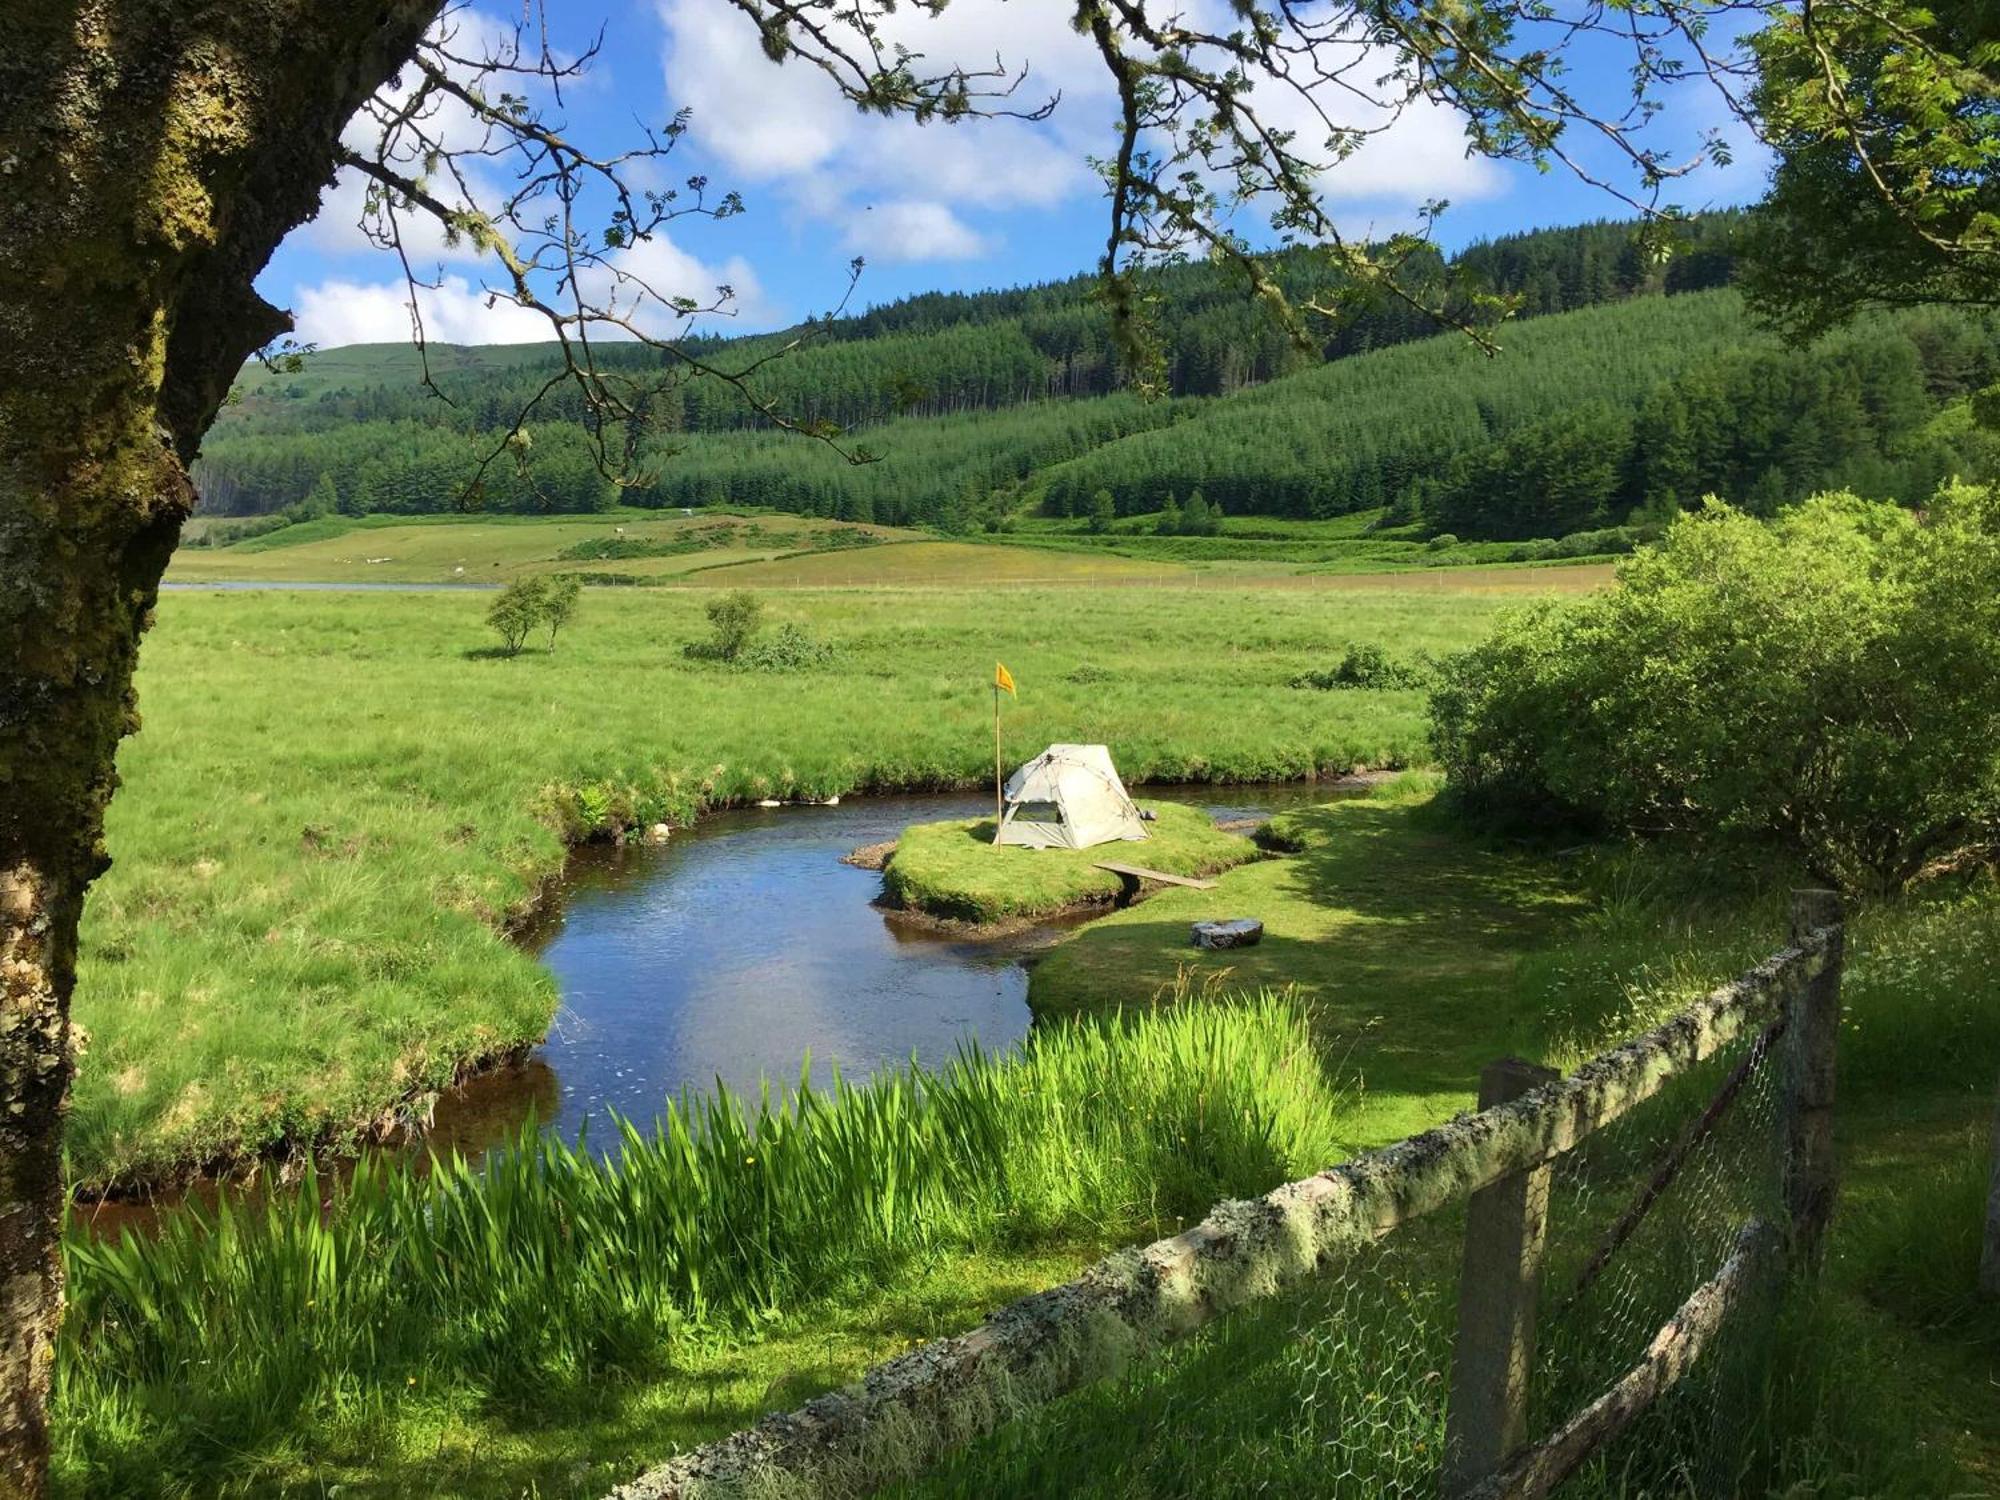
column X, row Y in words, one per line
column 152, row 155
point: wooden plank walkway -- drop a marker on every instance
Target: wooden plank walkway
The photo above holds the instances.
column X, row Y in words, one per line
column 1140, row 872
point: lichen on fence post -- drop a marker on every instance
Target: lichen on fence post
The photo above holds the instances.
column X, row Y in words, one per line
column 1506, row 1226
column 1813, row 1042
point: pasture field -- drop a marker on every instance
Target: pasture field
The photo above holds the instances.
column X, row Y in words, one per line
column 938, row 564
column 338, row 800
column 1403, row 935
column 1875, row 1381
column 497, row 549
column 776, row 550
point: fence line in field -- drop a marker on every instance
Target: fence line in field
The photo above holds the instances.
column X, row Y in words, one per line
column 908, row 1410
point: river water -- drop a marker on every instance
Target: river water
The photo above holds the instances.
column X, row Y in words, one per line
column 742, row 947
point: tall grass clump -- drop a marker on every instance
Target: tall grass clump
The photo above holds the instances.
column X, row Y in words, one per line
column 549, row 1266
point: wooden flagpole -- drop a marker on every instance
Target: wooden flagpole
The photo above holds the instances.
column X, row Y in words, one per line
column 998, row 796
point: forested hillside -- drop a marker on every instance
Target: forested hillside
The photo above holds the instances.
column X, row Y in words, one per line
column 1632, row 385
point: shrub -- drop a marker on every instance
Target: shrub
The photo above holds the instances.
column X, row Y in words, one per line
column 791, row 649
column 1829, row 681
column 559, row 601
column 1199, row 518
column 518, row 610
column 1364, row 666
column 734, row 619
column 1103, row 511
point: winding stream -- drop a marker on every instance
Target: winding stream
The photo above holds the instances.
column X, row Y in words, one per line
column 739, row 948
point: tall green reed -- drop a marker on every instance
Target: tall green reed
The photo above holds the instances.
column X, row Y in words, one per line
column 547, row 1265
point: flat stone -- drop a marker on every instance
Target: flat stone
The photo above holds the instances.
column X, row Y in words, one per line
column 1237, row 932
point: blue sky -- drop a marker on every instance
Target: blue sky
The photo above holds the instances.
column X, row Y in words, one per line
column 980, row 204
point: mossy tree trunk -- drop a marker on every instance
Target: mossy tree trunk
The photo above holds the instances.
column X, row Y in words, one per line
column 152, row 155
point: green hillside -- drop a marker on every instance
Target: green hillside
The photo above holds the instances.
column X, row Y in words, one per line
column 1628, row 388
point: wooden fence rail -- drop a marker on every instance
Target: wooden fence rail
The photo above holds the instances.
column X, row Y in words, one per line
column 902, row 1414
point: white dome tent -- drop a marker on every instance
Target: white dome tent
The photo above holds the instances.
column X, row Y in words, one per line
column 1068, row 797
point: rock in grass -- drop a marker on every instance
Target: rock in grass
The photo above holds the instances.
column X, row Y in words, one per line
column 870, row 856
column 1237, row 932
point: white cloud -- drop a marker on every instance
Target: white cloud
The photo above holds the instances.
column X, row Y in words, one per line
column 637, row 284
column 913, row 230
column 787, row 124
column 640, row 280
column 339, row 312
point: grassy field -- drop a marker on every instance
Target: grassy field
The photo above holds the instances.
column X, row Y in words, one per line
column 337, row 800
column 496, row 549
column 954, row 870
column 1877, row 1382
column 1406, row 937
column 940, row 564
column 728, row 549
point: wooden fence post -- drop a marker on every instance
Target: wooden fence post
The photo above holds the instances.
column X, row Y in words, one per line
column 1498, row 1285
column 1989, row 1253
column 1813, row 1043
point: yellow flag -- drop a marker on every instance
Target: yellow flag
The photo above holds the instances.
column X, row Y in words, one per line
column 1003, row 679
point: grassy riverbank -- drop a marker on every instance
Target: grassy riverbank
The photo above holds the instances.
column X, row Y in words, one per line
column 337, row 800
column 953, row 869
column 1515, row 952
column 1406, row 935
column 281, row 1344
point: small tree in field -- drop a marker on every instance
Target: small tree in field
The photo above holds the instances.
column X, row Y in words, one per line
column 522, row 605
column 734, row 618
column 559, row 601
column 1103, row 511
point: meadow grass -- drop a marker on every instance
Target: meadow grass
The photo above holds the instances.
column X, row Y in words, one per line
column 1406, row 933
column 497, row 549
column 953, row 869
column 337, row 801
column 937, row 564
column 779, row 550
column 212, row 1356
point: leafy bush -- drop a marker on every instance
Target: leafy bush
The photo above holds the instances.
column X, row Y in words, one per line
column 791, row 649
column 1829, row 681
column 1583, row 544
column 518, row 610
column 1364, row 666
column 560, row 597
column 530, row 604
column 734, row 619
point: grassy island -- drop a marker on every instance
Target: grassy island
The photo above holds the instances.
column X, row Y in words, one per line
column 955, row 870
